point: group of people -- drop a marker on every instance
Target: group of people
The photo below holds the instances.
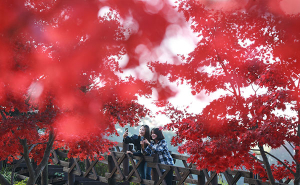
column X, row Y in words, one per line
column 147, row 143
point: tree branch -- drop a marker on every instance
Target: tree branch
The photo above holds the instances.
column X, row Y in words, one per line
column 254, row 157
column 267, row 165
column 254, row 89
column 46, row 156
column 292, row 172
column 227, row 74
column 289, row 152
column 287, row 181
column 229, row 90
column 291, row 144
column 3, row 115
column 294, row 84
column 277, row 160
column 34, row 174
column 32, row 146
column 26, row 157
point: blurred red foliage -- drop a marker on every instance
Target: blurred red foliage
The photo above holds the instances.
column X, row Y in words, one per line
column 59, row 65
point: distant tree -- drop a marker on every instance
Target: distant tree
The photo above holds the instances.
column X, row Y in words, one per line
column 251, row 56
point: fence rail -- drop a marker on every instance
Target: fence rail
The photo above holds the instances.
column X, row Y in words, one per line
column 122, row 169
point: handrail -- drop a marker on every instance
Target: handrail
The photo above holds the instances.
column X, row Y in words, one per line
column 118, row 160
column 117, row 157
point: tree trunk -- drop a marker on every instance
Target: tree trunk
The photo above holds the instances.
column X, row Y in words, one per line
column 296, row 182
column 31, row 180
column 297, row 175
column 34, row 173
column 267, row 165
column 44, row 176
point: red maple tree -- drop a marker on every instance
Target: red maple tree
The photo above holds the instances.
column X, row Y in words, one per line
column 250, row 54
column 59, row 82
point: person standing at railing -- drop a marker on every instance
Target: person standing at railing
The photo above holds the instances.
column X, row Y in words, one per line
column 159, row 146
column 139, row 145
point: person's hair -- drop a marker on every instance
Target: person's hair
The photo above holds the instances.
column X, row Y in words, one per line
column 147, row 132
column 159, row 134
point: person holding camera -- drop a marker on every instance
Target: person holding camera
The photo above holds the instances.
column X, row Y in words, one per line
column 139, row 145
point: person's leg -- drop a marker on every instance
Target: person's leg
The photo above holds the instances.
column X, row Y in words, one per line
column 169, row 178
column 148, row 171
column 141, row 170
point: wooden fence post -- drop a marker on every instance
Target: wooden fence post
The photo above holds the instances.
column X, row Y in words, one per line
column 71, row 176
column 201, row 178
column 155, row 176
column 111, row 165
column 126, row 162
column 215, row 180
column 86, row 163
column 44, row 176
column 173, row 181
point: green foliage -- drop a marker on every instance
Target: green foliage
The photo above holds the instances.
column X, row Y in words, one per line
column 23, row 182
column 101, row 169
column 133, row 183
column 59, row 174
column 6, row 172
column 81, row 165
column 221, row 181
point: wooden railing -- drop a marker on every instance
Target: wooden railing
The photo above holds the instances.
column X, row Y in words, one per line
column 119, row 171
column 122, row 169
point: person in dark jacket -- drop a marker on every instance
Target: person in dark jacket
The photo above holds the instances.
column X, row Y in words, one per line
column 139, row 145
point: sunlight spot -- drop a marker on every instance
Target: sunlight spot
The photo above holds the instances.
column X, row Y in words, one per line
column 245, row 43
column 35, row 90
column 290, row 6
column 103, row 11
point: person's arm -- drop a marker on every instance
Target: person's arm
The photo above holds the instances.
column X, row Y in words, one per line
column 137, row 154
column 131, row 139
column 148, row 149
column 134, row 153
column 162, row 146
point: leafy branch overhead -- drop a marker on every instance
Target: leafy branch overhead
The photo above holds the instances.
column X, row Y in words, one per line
column 60, row 78
column 62, row 81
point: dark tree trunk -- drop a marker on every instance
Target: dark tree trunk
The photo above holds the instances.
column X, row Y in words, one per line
column 297, row 176
column 44, row 176
column 267, row 165
column 34, row 173
column 296, row 182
